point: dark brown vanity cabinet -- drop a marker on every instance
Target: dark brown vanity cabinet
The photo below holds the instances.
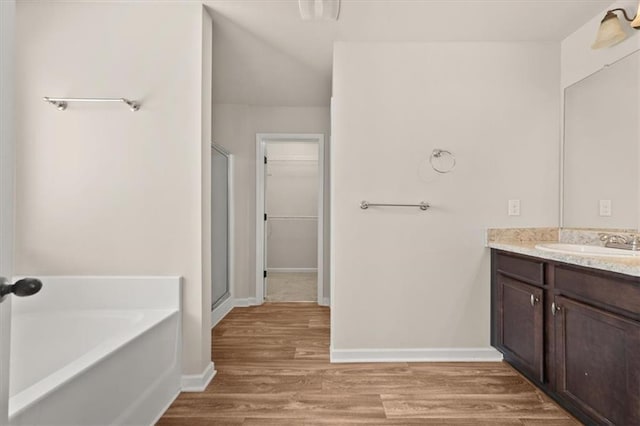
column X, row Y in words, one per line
column 520, row 324
column 598, row 362
column 518, row 312
column 573, row 331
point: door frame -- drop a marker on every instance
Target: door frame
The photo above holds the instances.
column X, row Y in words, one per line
column 261, row 140
column 219, row 312
column 7, row 167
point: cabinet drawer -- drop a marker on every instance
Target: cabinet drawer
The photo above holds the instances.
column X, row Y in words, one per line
column 601, row 289
column 528, row 270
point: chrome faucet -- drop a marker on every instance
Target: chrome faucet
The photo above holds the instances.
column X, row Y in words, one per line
column 621, row 242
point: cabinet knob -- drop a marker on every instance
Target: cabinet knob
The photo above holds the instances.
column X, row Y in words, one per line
column 555, row 308
column 534, row 300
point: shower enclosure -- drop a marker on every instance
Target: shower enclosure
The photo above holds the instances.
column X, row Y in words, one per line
column 220, row 191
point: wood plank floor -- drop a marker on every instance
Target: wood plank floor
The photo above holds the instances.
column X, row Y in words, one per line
column 273, row 369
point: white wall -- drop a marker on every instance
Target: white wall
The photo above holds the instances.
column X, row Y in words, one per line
column 407, row 279
column 292, row 190
column 206, row 137
column 102, row 190
column 235, row 127
column 254, row 69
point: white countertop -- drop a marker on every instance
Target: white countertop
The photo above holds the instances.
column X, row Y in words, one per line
column 622, row 265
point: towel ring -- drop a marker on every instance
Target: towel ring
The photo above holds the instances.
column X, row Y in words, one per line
column 438, row 153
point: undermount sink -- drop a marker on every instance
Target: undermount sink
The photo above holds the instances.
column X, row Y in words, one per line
column 587, row 250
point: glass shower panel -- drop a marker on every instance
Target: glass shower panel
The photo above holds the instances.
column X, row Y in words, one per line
column 219, row 226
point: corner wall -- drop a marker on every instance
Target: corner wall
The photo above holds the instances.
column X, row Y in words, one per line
column 206, row 117
column 411, row 284
column 102, row 190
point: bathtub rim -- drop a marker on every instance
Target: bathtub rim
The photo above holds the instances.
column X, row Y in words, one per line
column 110, row 299
column 106, row 349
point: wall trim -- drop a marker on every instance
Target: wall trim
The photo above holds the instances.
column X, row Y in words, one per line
column 252, row 301
column 198, row 382
column 222, row 310
column 416, row 355
column 292, row 270
column 244, row 302
column 225, row 307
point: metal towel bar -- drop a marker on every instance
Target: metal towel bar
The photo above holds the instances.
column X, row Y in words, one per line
column 365, row 205
column 61, row 103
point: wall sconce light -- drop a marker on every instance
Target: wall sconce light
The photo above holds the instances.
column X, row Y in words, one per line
column 611, row 31
column 319, row 9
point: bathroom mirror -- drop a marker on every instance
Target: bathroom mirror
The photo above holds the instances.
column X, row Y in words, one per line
column 601, row 182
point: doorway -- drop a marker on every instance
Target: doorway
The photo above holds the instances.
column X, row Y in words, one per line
column 290, row 205
column 221, row 301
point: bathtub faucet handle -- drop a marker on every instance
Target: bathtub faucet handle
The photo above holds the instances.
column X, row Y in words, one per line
column 23, row 287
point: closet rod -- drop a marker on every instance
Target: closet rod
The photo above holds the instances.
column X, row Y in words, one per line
column 292, row 160
column 293, row 217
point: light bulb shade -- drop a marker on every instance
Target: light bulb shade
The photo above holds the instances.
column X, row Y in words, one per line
column 609, row 33
column 319, row 9
column 636, row 22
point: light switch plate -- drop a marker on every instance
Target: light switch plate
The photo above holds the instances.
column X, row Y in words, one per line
column 605, row 207
column 514, row 208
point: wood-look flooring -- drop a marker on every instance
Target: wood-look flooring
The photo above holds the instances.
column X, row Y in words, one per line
column 273, row 368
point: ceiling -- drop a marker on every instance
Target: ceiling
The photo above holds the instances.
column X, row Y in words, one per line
column 264, row 54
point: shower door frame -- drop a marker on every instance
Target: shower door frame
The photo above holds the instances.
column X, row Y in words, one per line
column 261, row 267
column 221, row 309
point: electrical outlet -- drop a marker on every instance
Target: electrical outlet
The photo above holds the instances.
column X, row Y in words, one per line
column 514, row 208
column 605, row 207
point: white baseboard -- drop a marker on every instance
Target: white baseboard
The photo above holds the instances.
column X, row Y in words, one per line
column 292, row 269
column 249, row 301
column 252, row 301
column 416, row 355
column 241, row 302
column 198, row 382
column 222, row 311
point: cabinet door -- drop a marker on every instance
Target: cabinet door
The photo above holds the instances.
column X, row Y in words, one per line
column 520, row 325
column 598, row 362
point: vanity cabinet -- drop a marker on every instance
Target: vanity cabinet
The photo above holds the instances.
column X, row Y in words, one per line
column 597, row 358
column 573, row 331
column 520, row 324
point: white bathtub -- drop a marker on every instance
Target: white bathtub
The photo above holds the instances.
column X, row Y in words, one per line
column 95, row 351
